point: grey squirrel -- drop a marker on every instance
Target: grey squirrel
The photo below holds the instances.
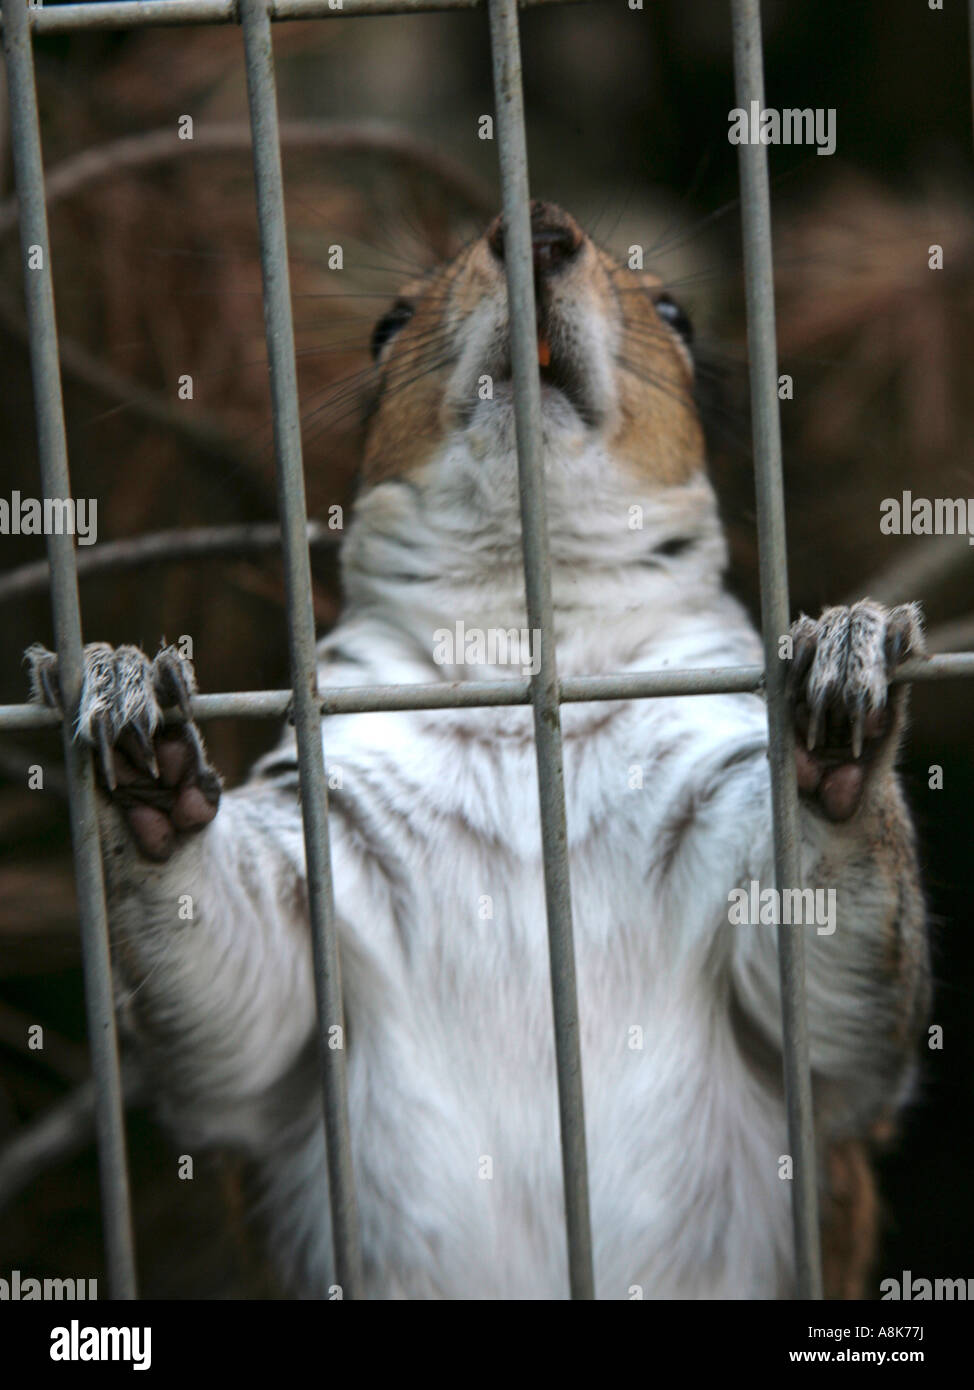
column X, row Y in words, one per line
column 437, row 859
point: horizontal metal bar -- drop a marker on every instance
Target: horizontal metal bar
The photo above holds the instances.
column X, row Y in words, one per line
column 286, row 416
column 52, row 452
column 142, row 14
column 375, row 699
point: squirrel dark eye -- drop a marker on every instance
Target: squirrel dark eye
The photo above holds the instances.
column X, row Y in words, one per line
column 389, row 325
column 671, row 312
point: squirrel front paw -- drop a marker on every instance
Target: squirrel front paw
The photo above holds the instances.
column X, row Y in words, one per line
column 848, row 719
column 157, row 775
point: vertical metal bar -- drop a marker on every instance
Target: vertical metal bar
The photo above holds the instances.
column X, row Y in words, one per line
column 262, row 96
column 970, row 44
column 775, row 620
column 83, row 812
column 519, row 261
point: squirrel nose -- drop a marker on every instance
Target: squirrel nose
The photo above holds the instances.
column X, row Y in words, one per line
column 555, row 238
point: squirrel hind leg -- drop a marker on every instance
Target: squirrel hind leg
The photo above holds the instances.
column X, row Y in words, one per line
column 850, row 1221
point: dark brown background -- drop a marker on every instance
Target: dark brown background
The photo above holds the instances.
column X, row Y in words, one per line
column 156, row 275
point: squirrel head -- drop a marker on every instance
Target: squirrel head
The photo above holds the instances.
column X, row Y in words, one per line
column 613, row 351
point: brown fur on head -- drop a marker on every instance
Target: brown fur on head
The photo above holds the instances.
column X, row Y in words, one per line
column 612, row 346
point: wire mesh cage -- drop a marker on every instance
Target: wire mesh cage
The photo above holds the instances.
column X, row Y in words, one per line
column 306, row 702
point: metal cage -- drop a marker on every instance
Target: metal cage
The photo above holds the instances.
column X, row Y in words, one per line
column 306, row 702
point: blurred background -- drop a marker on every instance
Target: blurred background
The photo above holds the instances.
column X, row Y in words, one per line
column 155, row 261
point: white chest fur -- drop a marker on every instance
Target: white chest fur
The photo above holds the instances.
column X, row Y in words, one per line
column 451, row 1061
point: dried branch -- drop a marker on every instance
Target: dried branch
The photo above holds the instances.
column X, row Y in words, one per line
column 162, row 548
column 64, row 1130
column 135, row 152
column 919, row 574
column 66, row 1059
column 204, row 433
column 138, row 152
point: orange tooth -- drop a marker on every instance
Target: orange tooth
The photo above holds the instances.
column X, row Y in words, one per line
column 544, row 353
